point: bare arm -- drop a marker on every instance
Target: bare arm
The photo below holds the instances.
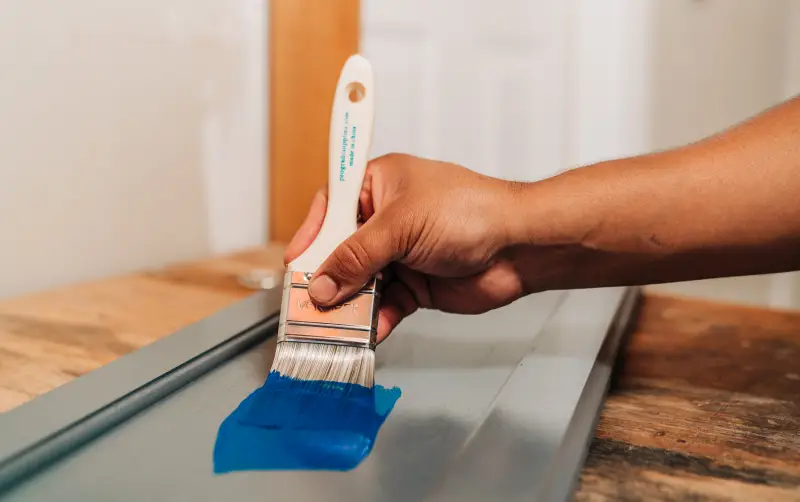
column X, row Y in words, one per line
column 727, row 205
column 454, row 240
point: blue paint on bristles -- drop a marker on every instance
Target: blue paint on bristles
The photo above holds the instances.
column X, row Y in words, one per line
column 286, row 403
column 301, row 424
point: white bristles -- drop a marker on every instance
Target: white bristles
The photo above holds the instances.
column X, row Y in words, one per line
column 320, row 361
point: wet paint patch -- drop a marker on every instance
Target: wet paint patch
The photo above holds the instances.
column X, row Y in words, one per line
column 302, row 425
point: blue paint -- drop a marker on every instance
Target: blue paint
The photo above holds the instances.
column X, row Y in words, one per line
column 310, row 425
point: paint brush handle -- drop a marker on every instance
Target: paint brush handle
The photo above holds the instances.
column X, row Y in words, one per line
column 350, row 140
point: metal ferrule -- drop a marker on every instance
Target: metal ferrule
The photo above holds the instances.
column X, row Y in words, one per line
column 353, row 322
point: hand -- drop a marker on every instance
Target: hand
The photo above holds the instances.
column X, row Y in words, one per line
column 457, row 241
column 440, row 228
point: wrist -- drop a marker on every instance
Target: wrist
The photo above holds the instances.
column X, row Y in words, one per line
column 559, row 238
column 557, row 211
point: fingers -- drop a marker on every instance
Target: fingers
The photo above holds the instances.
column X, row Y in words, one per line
column 373, row 246
column 365, row 203
column 308, row 231
column 476, row 294
column 365, row 253
column 397, row 303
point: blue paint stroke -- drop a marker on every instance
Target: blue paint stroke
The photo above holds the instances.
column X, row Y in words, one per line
column 302, row 425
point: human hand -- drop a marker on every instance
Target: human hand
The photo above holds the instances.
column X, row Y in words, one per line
column 441, row 230
column 454, row 240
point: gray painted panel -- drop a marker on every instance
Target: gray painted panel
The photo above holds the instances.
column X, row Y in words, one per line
column 462, row 377
column 99, row 392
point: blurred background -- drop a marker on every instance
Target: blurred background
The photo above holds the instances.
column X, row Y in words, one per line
column 137, row 133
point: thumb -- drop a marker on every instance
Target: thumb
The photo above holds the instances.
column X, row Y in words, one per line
column 365, row 253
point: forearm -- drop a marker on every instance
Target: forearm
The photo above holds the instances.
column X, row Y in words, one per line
column 727, row 205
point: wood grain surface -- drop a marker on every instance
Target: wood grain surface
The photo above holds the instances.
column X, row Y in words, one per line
column 51, row 338
column 705, row 406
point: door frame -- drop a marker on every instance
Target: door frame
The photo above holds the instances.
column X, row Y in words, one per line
column 309, row 42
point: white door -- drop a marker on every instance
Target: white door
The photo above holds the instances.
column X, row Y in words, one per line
column 470, row 82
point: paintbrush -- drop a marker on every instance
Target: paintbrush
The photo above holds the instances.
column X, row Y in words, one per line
column 334, row 344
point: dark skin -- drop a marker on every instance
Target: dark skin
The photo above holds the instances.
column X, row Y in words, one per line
column 450, row 239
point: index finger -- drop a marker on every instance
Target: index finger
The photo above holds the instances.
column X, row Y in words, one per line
column 308, row 231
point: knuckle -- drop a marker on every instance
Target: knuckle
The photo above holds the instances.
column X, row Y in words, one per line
column 352, row 260
column 387, row 161
column 375, row 165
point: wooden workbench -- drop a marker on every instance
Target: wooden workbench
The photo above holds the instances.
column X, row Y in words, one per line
column 705, row 405
column 51, row 338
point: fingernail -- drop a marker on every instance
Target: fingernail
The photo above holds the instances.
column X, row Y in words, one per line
column 323, row 289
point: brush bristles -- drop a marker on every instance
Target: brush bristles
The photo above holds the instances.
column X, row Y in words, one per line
column 320, row 361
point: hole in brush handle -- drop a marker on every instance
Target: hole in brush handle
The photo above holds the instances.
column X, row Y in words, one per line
column 355, row 92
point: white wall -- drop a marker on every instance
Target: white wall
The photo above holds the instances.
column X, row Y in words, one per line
column 609, row 102
column 528, row 88
column 652, row 74
column 786, row 287
column 792, row 87
column 131, row 134
column 713, row 65
column 482, row 87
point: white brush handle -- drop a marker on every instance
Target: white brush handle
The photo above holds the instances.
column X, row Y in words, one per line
column 350, row 140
